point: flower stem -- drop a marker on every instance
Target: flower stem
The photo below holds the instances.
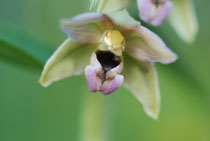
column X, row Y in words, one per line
column 92, row 118
column 102, row 3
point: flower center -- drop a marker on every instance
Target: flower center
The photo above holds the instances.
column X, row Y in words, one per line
column 114, row 39
column 108, row 60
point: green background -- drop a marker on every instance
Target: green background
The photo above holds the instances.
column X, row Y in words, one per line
column 29, row 112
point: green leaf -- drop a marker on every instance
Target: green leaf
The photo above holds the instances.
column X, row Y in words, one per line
column 22, row 50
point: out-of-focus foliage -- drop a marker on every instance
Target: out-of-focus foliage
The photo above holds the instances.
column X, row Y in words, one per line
column 30, row 112
column 21, row 49
column 183, row 19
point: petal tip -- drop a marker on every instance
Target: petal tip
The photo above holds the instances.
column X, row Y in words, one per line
column 155, row 117
column 171, row 59
column 44, row 84
column 153, row 112
column 42, row 80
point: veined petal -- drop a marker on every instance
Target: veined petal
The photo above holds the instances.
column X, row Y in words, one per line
column 146, row 46
column 123, row 18
column 69, row 59
column 124, row 22
column 112, row 5
column 183, row 19
column 87, row 27
column 141, row 80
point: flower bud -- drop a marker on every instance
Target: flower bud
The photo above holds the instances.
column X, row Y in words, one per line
column 154, row 12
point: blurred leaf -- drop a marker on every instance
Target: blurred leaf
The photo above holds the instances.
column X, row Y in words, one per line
column 21, row 49
column 11, row 53
column 184, row 20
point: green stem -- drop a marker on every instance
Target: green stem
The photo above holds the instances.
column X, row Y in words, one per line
column 92, row 118
column 102, row 3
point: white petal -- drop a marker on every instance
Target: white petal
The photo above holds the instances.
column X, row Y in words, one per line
column 146, row 46
column 87, row 27
column 141, row 80
column 69, row 59
column 183, row 19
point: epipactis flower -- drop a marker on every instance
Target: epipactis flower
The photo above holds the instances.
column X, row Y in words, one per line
column 154, row 12
column 182, row 15
column 113, row 49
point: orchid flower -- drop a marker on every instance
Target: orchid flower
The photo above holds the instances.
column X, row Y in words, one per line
column 182, row 15
column 153, row 12
column 113, row 50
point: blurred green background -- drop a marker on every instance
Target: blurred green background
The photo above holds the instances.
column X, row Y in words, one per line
column 29, row 112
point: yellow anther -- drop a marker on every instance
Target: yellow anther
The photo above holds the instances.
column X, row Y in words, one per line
column 114, row 39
